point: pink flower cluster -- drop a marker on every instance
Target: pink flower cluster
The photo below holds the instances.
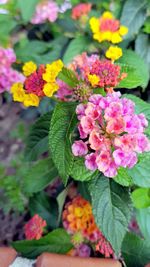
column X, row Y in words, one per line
column 112, row 133
column 80, row 10
column 45, row 10
column 8, row 75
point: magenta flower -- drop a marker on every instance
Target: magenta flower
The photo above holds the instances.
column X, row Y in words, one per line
column 79, row 148
column 112, row 132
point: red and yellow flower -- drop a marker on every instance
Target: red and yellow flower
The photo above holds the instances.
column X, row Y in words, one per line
column 107, row 28
column 40, row 81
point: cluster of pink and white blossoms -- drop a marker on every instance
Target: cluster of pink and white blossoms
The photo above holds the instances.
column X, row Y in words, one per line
column 8, row 75
column 111, row 133
column 46, row 10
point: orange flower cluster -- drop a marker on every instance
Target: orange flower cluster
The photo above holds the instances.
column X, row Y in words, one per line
column 78, row 217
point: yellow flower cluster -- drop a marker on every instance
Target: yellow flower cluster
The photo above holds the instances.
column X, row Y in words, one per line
column 93, row 79
column 114, row 53
column 19, row 95
column 107, row 28
column 52, row 71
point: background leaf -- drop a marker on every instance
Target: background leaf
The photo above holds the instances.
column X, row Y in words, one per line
column 76, row 47
column 39, row 176
column 27, row 8
column 62, row 124
column 140, row 173
column 141, row 198
column 142, row 47
column 135, row 251
column 46, row 207
column 137, row 74
column 111, row 208
column 143, row 219
column 37, row 141
column 133, row 16
column 58, row 241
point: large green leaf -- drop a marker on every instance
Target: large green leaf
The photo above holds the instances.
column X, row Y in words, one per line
column 140, row 173
column 143, row 219
column 62, row 124
column 111, row 208
column 39, row 176
column 141, row 198
column 37, row 141
column 76, row 47
column 135, row 251
column 80, row 172
column 142, row 47
column 123, row 178
column 27, row 8
column 46, row 207
column 58, row 241
column 133, row 16
column 137, row 74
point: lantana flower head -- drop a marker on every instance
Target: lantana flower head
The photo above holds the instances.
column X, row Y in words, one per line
column 8, row 75
column 107, row 28
column 111, row 132
column 34, row 227
column 46, row 10
column 80, row 10
column 40, row 81
column 78, row 218
column 92, row 72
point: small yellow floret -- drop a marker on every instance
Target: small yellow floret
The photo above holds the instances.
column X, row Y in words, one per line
column 18, row 92
column 31, row 100
column 29, row 68
column 116, row 38
column 93, row 79
column 50, row 88
column 123, row 30
column 94, row 24
column 52, row 71
column 114, row 52
column 107, row 15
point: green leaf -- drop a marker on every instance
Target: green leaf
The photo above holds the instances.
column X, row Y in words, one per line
column 27, row 8
column 45, row 207
column 83, row 190
column 141, row 198
column 123, row 178
column 135, row 251
column 68, row 76
column 62, row 124
column 39, row 176
column 133, row 16
column 7, row 23
column 39, row 51
column 111, row 208
column 140, row 173
column 58, row 241
column 79, row 172
column 143, row 219
column 76, row 47
column 37, row 141
column 137, row 72
column 61, row 201
column 142, row 48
